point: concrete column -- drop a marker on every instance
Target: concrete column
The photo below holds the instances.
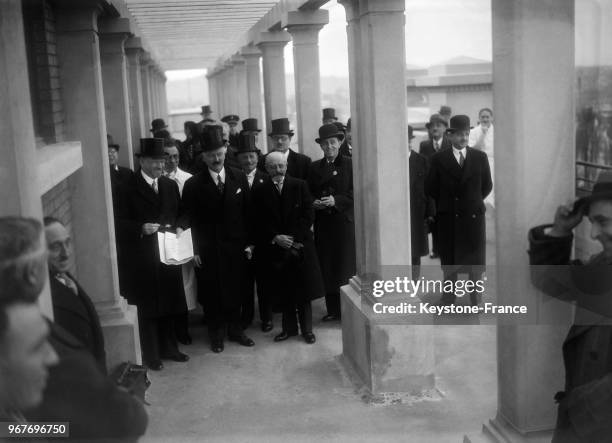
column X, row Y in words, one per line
column 164, row 95
column 19, row 188
column 153, row 90
column 222, row 92
column 113, row 34
column 304, row 27
column 93, row 224
column 392, row 359
column 134, row 53
column 211, row 81
column 252, row 57
column 272, row 45
column 240, row 86
column 530, row 366
column 146, row 92
column 230, row 89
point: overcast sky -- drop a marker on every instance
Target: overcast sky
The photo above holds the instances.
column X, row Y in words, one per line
column 436, row 30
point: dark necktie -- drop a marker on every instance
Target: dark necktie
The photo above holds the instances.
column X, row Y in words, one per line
column 279, row 187
column 220, row 185
column 154, row 186
column 461, row 159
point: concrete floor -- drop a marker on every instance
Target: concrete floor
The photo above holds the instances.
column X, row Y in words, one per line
column 294, row 392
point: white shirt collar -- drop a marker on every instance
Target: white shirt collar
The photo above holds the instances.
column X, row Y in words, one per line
column 214, row 175
column 457, row 151
column 252, row 173
column 148, row 179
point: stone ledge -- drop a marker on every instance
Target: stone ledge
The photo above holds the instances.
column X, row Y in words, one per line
column 57, row 162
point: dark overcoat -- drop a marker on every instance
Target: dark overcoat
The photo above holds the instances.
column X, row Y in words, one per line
column 345, row 150
column 220, row 231
column 426, row 148
column 119, row 177
column 421, row 206
column 459, row 195
column 585, row 405
column 298, row 164
column 156, row 289
column 334, row 228
column 78, row 316
column 289, row 213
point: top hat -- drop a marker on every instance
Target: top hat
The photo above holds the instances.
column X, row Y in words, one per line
column 158, row 124
column 152, row 148
column 329, row 113
column 280, row 126
column 232, row 118
column 436, row 118
column 246, row 143
column 110, row 143
column 410, row 132
column 250, row 124
column 328, row 131
column 602, row 190
column 206, row 110
column 459, row 123
column 445, row 110
column 212, row 138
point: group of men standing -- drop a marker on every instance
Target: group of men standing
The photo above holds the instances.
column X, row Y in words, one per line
column 251, row 218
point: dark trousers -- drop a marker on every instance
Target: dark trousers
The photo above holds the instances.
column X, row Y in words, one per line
column 451, row 272
column 157, row 338
column 332, row 303
column 434, row 237
column 181, row 326
column 222, row 318
column 416, row 267
column 248, row 299
column 304, row 316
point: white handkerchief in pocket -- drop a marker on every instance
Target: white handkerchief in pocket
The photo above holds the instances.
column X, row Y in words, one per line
column 239, row 191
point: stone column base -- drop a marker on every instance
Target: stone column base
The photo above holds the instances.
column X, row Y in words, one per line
column 498, row 430
column 120, row 328
column 393, row 362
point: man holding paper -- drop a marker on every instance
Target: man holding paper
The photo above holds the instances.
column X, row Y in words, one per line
column 216, row 204
column 150, row 203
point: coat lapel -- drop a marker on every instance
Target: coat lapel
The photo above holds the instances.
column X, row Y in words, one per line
column 468, row 165
column 447, row 158
column 145, row 190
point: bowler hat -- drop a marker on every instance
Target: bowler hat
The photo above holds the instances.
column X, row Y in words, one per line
column 445, row 110
column 250, row 124
column 158, row 124
column 328, row 131
column 110, row 143
column 459, row 123
column 246, row 143
column 152, row 148
column 212, row 138
column 329, row 113
column 436, row 118
column 410, row 132
column 232, row 118
column 206, row 110
column 280, row 126
column 602, row 190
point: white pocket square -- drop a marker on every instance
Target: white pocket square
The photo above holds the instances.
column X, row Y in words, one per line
column 239, row 191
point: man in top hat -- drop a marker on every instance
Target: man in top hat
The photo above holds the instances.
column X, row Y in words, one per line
column 459, row 180
column 297, row 164
column 206, row 114
column 118, row 174
column 329, row 116
column 421, row 207
column 157, row 125
column 248, row 157
column 436, row 142
column 345, row 148
column 585, row 404
column 216, row 207
column 331, row 185
column 250, row 126
column 285, row 251
column 147, row 204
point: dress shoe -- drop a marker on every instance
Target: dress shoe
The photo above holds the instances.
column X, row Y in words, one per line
column 179, row 356
column 217, row 346
column 309, row 338
column 184, row 339
column 283, row 336
column 266, row 326
column 331, row 317
column 242, row 340
column 155, row 365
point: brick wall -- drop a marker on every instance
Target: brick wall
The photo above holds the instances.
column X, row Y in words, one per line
column 43, row 69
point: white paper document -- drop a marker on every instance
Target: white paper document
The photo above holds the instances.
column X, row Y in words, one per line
column 173, row 250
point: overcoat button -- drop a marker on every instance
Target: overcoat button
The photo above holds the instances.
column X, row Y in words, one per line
column 473, row 215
